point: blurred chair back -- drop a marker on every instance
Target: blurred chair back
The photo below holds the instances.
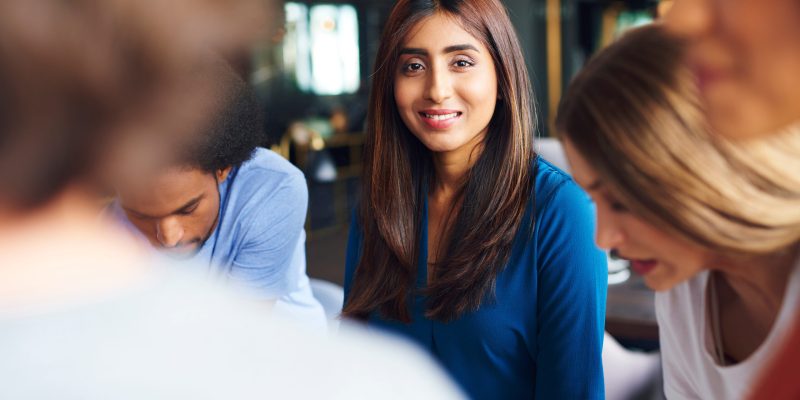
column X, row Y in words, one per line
column 551, row 150
column 629, row 374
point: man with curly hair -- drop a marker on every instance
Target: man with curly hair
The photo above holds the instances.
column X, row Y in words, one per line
column 226, row 203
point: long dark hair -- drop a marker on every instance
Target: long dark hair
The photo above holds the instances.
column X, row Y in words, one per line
column 398, row 170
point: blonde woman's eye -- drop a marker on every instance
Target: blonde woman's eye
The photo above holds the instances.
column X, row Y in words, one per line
column 618, row 207
column 614, row 204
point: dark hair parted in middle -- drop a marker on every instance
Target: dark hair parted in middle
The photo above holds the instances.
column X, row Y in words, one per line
column 398, row 172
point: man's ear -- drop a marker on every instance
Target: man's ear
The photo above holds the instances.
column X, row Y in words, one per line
column 222, row 174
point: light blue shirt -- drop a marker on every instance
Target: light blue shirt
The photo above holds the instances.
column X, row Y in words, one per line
column 259, row 241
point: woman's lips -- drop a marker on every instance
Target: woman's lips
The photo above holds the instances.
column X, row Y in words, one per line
column 642, row 267
column 440, row 119
column 706, row 77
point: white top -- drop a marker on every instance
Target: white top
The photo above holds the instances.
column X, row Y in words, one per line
column 690, row 371
column 176, row 336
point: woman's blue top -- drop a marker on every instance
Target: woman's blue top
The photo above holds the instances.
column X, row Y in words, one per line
column 542, row 335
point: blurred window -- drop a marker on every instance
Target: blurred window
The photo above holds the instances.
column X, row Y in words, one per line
column 321, row 47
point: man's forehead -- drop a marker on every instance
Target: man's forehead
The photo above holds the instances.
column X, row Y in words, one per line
column 166, row 187
column 165, row 178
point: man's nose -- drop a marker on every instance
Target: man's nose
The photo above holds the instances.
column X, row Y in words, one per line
column 169, row 232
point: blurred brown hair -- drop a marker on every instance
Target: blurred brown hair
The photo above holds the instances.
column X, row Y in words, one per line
column 634, row 114
column 79, row 79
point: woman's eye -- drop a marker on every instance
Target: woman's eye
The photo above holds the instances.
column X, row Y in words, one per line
column 413, row 67
column 618, row 207
column 463, row 64
column 615, row 205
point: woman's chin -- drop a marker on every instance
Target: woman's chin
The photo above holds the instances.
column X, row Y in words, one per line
column 660, row 285
column 441, row 144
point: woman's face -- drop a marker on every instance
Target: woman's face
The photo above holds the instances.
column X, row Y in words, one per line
column 445, row 86
column 746, row 57
column 662, row 260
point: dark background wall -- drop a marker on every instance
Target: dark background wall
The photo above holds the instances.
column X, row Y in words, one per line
column 284, row 102
column 580, row 22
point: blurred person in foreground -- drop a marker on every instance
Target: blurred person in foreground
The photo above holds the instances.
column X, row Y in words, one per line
column 223, row 203
column 691, row 210
column 745, row 56
column 779, row 379
column 84, row 313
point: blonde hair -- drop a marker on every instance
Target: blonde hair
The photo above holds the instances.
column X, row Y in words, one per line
column 634, row 114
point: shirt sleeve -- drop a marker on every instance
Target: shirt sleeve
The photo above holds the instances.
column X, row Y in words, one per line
column 271, row 256
column 573, row 279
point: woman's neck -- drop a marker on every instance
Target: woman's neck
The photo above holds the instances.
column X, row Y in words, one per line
column 747, row 298
column 760, row 280
column 452, row 167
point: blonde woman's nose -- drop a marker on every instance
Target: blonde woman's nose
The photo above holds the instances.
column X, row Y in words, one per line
column 609, row 234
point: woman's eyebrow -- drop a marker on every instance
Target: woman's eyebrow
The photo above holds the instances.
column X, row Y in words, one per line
column 448, row 49
column 460, row 47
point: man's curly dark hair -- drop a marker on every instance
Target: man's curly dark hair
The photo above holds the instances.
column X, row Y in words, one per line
column 233, row 134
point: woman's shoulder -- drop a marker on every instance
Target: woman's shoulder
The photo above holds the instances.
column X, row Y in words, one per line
column 551, row 181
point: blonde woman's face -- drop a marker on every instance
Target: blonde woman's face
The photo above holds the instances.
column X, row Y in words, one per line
column 661, row 259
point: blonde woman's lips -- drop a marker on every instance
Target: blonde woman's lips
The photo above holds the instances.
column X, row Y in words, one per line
column 642, row 267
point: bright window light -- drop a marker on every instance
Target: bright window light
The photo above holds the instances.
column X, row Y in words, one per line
column 322, row 47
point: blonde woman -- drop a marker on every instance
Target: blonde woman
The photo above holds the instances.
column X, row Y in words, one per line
column 696, row 215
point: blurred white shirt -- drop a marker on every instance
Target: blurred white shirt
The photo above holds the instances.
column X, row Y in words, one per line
column 179, row 336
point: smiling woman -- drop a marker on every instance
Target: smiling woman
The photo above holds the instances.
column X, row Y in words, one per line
column 446, row 94
column 464, row 240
